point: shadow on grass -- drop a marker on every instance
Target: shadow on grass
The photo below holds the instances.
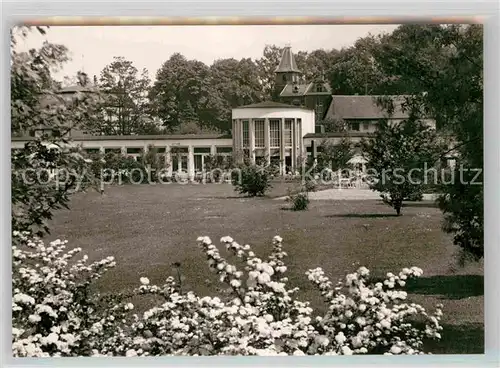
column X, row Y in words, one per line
column 363, row 215
column 458, row 339
column 426, row 204
column 450, row 287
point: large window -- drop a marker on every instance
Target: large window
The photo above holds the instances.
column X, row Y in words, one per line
column 224, row 149
column 274, row 132
column 288, row 132
column 319, row 109
column 354, row 125
column 246, row 137
column 198, row 163
column 259, row 133
column 134, row 150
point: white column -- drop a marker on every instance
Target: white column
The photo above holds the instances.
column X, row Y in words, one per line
column 302, row 154
column 251, row 132
column 267, row 143
column 213, row 150
column 123, row 150
column 233, row 133
column 179, row 162
column 294, row 146
column 102, row 150
column 282, row 146
column 168, row 160
column 190, row 163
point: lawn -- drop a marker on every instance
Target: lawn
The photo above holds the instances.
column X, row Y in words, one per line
column 147, row 228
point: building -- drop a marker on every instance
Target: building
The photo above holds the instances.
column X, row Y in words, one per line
column 283, row 133
column 272, row 132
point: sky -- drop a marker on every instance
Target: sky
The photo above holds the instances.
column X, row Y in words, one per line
column 93, row 47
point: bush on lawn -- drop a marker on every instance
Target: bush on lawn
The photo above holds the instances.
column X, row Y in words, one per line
column 300, row 200
column 57, row 312
column 251, row 180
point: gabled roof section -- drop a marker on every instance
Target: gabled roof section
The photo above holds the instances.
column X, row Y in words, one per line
column 287, row 63
column 76, row 89
column 288, row 90
column 363, row 107
column 311, row 89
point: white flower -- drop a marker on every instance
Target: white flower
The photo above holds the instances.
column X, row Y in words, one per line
column 23, row 299
column 131, row 353
column 363, row 271
column 129, row 306
column 235, row 283
column 361, row 321
column 322, row 340
column 385, row 323
column 298, row 353
column 395, row 349
column 226, row 239
column 346, row 350
column 144, row 281
column 278, row 239
column 263, row 278
column 51, row 339
column 34, row 318
column 340, row 338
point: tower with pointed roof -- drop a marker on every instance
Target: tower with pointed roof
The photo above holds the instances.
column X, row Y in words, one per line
column 287, row 71
column 289, row 87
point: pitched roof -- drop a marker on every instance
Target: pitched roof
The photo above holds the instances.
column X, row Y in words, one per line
column 338, row 135
column 75, row 89
column 138, row 137
column 288, row 90
column 363, row 107
column 287, row 63
column 304, row 89
column 327, row 90
column 270, row 104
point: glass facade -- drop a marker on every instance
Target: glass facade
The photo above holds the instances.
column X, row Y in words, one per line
column 259, row 133
column 288, row 132
column 274, row 133
column 246, row 136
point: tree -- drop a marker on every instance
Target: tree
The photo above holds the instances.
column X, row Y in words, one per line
column 182, row 93
column 124, row 106
column 336, row 156
column 46, row 171
column 397, row 159
column 318, row 63
column 355, row 71
column 233, row 83
column 445, row 62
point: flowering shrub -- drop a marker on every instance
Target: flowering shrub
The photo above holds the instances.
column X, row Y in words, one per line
column 55, row 312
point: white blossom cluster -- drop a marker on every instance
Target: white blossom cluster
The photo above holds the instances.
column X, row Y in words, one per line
column 56, row 314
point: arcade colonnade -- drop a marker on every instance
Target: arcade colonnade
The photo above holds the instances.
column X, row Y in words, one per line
column 183, row 154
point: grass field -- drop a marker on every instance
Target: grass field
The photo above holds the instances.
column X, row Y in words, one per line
column 147, row 228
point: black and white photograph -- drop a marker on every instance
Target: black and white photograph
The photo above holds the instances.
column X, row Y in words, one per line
column 247, row 190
